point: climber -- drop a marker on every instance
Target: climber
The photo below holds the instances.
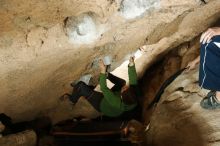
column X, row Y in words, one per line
column 113, row 102
column 209, row 71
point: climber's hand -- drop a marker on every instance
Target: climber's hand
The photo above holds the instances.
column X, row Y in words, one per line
column 143, row 48
column 131, row 61
column 207, row 35
column 102, row 66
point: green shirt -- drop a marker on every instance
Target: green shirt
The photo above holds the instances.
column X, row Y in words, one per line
column 111, row 104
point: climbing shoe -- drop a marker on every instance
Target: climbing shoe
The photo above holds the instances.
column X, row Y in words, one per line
column 212, row 92
column 210, row 101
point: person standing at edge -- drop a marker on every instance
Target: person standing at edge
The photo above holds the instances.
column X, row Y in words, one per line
column 209, row 71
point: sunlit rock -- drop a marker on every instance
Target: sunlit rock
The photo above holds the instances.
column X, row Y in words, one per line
column 83, row 29
column 134, row 8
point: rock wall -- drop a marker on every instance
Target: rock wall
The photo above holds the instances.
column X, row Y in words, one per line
column 45, row 45
column 179, row 119
column 158, row 73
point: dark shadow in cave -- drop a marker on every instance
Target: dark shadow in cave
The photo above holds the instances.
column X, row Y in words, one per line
column 41, row 126
column 163, row 87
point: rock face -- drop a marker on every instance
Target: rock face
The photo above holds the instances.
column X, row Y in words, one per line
column 25, row 138
column 178, row 118
column 175, row 60
column 45, row 45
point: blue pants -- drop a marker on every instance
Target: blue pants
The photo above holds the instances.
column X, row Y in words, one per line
column 209, row 71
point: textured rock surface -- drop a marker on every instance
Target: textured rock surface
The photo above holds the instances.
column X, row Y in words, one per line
column 38, row 60
column 25, row 138
column 175, row 60
column 178, row 118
